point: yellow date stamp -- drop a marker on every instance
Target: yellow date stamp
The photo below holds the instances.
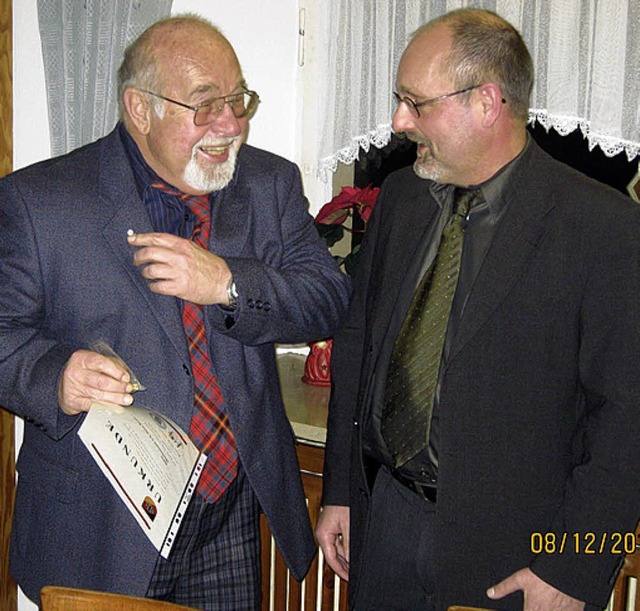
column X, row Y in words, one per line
column 584, row 543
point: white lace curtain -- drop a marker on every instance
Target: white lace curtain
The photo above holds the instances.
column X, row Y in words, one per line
column 82, row 46
column 586, row 55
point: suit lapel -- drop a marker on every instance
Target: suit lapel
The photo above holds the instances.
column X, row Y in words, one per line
column 127, row 212
column 402, row 231
column 513, row 246
column 231, row 213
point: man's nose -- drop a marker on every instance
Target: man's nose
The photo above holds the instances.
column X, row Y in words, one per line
column 226, row 123
column 403, row 119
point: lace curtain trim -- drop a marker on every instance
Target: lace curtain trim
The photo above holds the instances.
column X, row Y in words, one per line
column 610, row 145
column 586, row 56
column 380, row 137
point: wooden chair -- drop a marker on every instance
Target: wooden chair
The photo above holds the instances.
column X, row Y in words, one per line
column 626, row 591
column 55, row 598
column 321, row 588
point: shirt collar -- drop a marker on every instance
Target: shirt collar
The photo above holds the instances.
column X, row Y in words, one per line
column 493, row 189
column 142, row 171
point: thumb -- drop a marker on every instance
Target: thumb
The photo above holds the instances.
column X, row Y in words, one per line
column 505, row 587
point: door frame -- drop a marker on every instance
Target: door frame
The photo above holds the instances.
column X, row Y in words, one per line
column 8, row 590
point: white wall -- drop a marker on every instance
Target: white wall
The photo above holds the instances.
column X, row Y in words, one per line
column 265, row 41
column 265, row 37
column 30, row 122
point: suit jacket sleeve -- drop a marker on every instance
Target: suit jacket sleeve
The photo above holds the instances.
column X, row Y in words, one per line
column 31, row 361
column 349, row 364
column 602, row 496
column 290, row 288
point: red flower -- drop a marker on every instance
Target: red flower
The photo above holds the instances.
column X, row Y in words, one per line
column 349, row 199
column 329, row 221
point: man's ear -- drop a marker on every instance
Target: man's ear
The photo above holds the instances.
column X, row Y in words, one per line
column 492, row 102
column 138, row 109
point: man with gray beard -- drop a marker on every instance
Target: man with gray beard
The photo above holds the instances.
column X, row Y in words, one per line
column 483, row 423
column 190, row 254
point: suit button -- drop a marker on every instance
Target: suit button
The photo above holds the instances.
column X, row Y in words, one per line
column 259, row 304
column 186, row 369
column 267, row 306
column 251, row 303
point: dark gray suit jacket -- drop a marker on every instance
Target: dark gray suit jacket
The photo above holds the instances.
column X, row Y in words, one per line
column 67, row 278
column 540, row 400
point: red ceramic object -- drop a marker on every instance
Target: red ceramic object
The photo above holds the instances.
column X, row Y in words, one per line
column 317, row 367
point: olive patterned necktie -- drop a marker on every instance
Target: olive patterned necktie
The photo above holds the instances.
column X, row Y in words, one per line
column 412, row 376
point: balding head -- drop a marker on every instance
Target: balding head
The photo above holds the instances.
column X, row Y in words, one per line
column 486, row 48
column 185, row 103
column 148, row 60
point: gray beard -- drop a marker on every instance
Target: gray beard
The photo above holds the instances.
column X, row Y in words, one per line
column 422, row 172
column 214, row 178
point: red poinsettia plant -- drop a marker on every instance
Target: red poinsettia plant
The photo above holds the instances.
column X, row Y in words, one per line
column 356, row 203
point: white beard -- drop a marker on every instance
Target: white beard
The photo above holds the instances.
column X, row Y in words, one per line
column 214, row 176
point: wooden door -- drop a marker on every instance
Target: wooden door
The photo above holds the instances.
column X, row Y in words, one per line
column 8, row 596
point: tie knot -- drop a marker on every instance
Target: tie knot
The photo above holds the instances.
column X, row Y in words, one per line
column 464, row 199
column 197, row 204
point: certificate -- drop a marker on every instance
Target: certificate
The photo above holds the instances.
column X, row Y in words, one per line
column 151, row 463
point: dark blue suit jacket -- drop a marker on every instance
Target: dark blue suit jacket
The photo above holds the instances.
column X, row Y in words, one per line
column 67, row 278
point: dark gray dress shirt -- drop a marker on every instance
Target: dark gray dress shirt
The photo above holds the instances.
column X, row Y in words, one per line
column 481, row 225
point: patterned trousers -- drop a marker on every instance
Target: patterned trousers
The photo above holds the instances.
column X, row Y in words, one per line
column 215, row 561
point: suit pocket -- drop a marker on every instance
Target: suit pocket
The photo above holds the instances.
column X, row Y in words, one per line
column 39, row 477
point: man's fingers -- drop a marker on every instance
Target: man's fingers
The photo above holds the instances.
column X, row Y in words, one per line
column 105, row 369
column 337, row 559
column 538, row 594
column 332, row 533
column 158, row 271
column 505, row 587
column 152, row 239
column 89, row 377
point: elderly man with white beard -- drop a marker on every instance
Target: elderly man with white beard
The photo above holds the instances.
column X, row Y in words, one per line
column 190, row 253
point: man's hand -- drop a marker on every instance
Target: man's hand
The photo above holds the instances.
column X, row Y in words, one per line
column 332, row 533
column 538, row 594
column 178, row 267
column 88, row 377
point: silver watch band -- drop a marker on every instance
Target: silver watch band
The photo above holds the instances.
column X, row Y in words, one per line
column 232, row 294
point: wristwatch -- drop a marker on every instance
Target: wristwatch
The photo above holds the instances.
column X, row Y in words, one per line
column 232, row 294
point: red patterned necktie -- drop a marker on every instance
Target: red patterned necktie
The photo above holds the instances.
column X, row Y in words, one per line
column 210, row 429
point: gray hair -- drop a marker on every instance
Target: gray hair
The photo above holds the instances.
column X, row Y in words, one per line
column 140, row 68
